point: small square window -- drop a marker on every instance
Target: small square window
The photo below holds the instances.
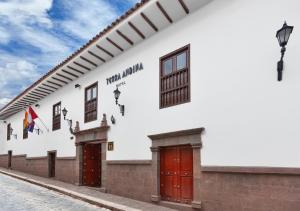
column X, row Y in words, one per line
column 94, row 93
column 88, row 95
column 168, row 66
column 181, row 61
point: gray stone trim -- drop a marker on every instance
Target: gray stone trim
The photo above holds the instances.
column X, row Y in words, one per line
column 128, row 162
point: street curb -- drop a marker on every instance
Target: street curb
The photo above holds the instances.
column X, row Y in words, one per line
column 82, row 197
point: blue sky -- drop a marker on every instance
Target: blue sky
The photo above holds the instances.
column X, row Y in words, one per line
column 36, row 35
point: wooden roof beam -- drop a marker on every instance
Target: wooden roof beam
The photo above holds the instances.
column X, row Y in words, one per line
column 96, row 56
column 89, row 61
column 63, row 76
column 51, row 87
column 183, row 5
column 38, row 93
column 82, row 66
column 125, row 37
column 149, row 22
column 69, row 73
column 105, row 51
column 42, row 91
column 136, row 30
column 56, row 84
column 163, row 11
column 78, row 71
column 114, row 44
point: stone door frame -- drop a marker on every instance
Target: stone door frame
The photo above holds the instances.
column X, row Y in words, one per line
column 96, row 135
column 190, row 137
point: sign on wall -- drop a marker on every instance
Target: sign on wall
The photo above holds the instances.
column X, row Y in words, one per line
column 129, row 71
column 110, row 146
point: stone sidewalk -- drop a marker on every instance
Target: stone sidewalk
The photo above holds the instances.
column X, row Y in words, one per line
column 86, row 194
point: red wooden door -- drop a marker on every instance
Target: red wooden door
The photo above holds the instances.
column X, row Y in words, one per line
column 92, row 165
column 176, row 174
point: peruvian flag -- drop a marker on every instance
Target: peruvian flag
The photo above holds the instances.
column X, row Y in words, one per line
column 32, row 113
column 31, row 117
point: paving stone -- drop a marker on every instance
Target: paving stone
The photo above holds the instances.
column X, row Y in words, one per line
column 17, row 195
column 139, row 205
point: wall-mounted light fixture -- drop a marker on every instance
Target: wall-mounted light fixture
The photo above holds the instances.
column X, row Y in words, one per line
column 283, row 36
column 11, row 130
column 70, row 122
column 117, row 95
column 37, row 105
column 112, row 119
column 11, row 133
column 77, row 86
column 38, row 131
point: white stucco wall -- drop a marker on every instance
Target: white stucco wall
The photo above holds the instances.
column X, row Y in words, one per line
column 251, row 119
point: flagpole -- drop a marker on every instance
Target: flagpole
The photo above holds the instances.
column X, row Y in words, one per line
column 39, row 127
column 35, row 116
column 43, row 124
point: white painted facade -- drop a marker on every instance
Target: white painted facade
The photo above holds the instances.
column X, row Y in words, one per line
column 250, row 118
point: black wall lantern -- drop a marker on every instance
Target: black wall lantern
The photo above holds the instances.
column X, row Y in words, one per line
column 117, row 95
column 11, row 133
column 283, row 36
column 38, row 131
column 70, row 122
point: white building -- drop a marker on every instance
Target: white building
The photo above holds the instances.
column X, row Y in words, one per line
column 198, row 80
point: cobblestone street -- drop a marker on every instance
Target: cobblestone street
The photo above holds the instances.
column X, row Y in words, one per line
column 16, row 195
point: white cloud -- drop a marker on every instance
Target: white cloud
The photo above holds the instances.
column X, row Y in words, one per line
column 28, row 23
column 19, row 12
column 133, row 2
column 4, row 35
column 15, row 74
column 4, row 101
column 17, row 71
column 43, row 41
column 87, row 19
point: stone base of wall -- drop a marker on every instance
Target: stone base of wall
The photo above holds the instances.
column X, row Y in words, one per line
column 4, row 161
column 221, row 188
column 132, row 179
column 64, row 167
column 236, row 191
column 36, row 166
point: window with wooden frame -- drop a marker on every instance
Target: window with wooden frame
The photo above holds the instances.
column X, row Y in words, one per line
column 25, row 130
column 56, row 116
column 91, row 103
column 175, row 77
column 8, row 131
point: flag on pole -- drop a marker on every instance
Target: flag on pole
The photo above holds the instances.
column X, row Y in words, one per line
column 32, row 113
column 26, row 123
column 29, row 122
column 30, row 116
column 31, row 126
